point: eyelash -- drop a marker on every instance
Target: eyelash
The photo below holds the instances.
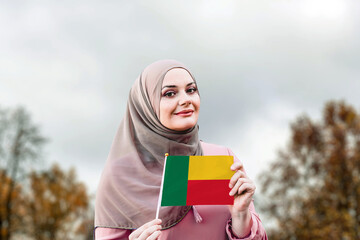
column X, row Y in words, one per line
column 171, row 93
column 193, row 89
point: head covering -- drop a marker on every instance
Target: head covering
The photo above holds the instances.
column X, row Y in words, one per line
column 129, row 187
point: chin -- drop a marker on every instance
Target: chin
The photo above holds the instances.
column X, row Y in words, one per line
column 184, row 127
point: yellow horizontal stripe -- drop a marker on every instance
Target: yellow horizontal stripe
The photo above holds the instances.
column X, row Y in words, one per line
column 210, row 167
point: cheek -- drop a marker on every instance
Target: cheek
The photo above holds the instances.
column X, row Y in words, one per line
column 196, row 102
column 165, row 111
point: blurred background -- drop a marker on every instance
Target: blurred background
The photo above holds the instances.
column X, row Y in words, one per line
column 279, row 83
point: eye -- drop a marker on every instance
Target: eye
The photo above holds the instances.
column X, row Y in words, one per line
column 169, row 94
column 192, row 90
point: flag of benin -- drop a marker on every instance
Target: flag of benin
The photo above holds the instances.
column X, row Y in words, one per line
column 197, row 180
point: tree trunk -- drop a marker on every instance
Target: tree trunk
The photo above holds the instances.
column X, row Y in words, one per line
column 13, row 174
column 3, row 182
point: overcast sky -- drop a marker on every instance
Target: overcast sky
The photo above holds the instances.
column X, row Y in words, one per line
column 259, row 64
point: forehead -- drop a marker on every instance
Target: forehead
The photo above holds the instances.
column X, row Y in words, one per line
column 177, row 76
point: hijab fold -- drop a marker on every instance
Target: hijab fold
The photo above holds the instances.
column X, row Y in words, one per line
column 129, row 187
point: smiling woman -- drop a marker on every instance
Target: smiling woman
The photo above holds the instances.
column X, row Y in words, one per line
column 161, row 117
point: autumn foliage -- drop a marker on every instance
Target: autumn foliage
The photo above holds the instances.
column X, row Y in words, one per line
column 313, row 187
column 15, row 198
column 46, row 204
column 56, row 204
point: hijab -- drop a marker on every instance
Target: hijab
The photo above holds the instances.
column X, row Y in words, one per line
column 129, row 186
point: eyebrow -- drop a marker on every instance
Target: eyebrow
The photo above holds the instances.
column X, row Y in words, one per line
column 173, row 86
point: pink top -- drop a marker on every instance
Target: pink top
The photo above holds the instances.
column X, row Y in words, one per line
column 215, row 224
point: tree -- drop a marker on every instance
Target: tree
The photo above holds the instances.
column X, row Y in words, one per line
column 313, row 187
column 16, row 202
column 57, row 205
column 20, row 143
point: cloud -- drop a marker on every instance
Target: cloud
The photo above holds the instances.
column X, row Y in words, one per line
column 259, row 64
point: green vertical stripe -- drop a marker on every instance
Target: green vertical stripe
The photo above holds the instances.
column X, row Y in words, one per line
column 175, row 181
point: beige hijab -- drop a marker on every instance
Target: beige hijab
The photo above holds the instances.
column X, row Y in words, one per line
column 129, row 187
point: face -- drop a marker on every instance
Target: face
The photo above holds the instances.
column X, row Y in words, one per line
column 180, row 101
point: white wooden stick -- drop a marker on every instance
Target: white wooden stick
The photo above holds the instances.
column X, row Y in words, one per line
column 161, row 188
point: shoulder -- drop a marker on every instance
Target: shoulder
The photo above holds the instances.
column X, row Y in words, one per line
column 214, row 149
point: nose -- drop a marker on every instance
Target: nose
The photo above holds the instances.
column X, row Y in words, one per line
column 184, row 100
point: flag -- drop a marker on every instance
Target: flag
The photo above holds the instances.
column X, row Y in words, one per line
column 197, row 180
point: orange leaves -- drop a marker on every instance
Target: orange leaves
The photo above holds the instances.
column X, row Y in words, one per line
column 313, row 187
column 55, row 206
column 41, row 205
column 55, row 200
column 9, row 192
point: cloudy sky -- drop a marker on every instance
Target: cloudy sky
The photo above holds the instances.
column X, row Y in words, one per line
column 259, row 64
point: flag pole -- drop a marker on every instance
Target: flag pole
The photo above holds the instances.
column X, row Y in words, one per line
column 161, row 188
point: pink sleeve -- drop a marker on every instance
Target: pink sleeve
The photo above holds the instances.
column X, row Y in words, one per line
column 111, row 234
column 257, row 230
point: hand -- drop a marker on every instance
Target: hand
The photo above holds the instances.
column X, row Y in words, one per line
column 148, row 231
column 242, row 188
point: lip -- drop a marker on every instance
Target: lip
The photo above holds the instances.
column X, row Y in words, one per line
column 185, row 113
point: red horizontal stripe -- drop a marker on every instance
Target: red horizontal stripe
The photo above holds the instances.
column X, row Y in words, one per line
column 209, row 192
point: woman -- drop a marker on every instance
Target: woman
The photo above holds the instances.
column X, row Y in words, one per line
column 161, row 117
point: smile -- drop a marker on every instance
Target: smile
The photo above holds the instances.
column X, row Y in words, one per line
column 185, row 113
